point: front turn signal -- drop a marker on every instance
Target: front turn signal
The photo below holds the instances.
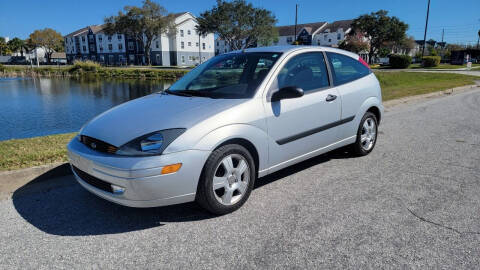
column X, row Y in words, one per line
column 171, row 168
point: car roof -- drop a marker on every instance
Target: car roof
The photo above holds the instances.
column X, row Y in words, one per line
column 291, row 48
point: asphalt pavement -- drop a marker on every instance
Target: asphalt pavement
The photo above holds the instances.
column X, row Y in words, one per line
column 414, row 202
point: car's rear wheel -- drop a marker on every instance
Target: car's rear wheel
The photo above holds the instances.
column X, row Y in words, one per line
column 227, row 179
column 366, row 135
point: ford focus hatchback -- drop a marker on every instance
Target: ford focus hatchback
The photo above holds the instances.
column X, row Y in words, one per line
column 233, row 119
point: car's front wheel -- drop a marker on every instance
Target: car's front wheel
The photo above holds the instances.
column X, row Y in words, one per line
column 227, row 179
column 366, row 135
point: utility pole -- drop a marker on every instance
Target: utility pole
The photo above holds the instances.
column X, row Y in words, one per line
column 478, row 40
column 443, row 33
column 296, row 15
column 426, row 26
column 199, row 49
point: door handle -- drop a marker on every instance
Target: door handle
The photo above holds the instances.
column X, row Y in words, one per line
column 330, row 98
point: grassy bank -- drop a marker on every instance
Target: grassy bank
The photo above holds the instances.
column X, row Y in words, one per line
column 439, row 67
column 23, row 153
column 98, row 71
column 402, row 84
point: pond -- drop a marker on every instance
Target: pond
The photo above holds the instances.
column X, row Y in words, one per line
column 31, row 107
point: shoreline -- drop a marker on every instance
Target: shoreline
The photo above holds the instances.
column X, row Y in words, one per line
column 142, row 73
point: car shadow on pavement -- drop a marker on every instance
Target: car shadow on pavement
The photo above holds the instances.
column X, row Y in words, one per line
column 62, row 207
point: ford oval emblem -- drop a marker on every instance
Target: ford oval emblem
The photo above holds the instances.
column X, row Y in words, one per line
column 93, row 145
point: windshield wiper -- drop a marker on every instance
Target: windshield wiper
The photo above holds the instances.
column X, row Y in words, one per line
column 189, row 93
column 177, row 93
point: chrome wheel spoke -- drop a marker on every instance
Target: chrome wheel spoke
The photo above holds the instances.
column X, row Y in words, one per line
column 228, row 164
column 242, row 187
column 227, row 196
column 241, row 168
column 363, row 138
column 219, row 182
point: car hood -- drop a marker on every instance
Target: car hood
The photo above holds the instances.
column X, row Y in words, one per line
column 151, row 113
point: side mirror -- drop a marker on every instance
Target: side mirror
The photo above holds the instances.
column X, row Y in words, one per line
column 286, row 93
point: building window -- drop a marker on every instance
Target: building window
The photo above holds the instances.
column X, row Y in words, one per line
column 120, row 58
column 83, row 38
column 289, row 39
column 100, row 37
column 196, row 44
column 190, row 58
column 339, row 36
column 318, row 42
column 119, row 37
column 92, row 47
column 189, row 44
column 325, row 37
column 101, row 49
column 218, row 43
column 189, row 32
column 102, row 58
column 157, row 44
column 329, row 40
column 183, row 59
column 181, row 33
column 90, row 38
column 120, row 46
column 203, row 45
column 109, row 38
column 130, row 45
column 182, row 45
column 110, row 47
column 84, row 48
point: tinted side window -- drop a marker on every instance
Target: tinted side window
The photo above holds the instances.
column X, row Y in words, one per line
column 345, row 69
column 307, row 71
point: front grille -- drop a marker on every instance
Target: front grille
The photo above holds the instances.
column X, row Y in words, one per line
column 92, row 180
column 98, row 145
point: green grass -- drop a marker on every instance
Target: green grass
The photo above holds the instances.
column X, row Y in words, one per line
column 402, row 84
column 441, row 66
column 23, row 153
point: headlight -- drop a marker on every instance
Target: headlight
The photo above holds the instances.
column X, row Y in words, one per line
column 150, row 144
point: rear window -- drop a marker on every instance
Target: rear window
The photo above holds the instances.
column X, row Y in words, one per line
column 346, row 69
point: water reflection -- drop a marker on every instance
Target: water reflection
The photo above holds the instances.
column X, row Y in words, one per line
column 32, row 107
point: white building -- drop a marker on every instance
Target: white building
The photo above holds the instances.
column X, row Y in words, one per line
column 318, row 33
column 183, row 48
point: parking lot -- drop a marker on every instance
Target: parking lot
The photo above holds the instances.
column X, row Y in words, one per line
column 414, row 202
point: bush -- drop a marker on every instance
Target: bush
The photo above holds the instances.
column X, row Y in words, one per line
column 84, row 66
column 400, row 61
column 2, row 68
column 431, row 61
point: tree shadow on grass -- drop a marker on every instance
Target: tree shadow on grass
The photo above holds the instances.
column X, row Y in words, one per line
column 60, row 206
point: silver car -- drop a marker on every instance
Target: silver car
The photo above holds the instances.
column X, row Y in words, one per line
column 229, row 121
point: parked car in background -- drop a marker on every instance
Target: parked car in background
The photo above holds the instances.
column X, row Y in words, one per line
column 237, row 117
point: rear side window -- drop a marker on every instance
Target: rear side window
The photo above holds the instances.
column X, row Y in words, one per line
column 307, row 71
column 345, row 69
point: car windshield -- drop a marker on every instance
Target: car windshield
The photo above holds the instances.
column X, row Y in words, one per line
column 229, row 76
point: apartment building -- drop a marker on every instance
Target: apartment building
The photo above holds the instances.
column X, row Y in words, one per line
column 317, row 34
column 183, row 48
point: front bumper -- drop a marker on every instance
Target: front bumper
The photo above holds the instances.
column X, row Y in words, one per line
column 141, row 177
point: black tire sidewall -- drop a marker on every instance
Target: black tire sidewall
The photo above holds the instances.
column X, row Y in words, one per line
column 205, row 193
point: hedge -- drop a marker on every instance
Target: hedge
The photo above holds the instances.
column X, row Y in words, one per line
column 400, row 61
column 431, row 61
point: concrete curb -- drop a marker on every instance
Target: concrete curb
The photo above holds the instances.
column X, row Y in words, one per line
column 10, row 181
column 452, row 91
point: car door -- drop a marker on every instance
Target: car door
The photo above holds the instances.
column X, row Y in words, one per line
column 301, row 125
column 351, row 79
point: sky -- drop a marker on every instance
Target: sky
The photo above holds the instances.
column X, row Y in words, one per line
column 460, row 19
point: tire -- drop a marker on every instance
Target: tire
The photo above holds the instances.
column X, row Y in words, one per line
column 366, row 135
column 225, row 184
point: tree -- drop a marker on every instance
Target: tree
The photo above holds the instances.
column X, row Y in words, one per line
column 379, row 29
column 143, row 24
column 3, row 47
column 49, row 39
column 354, row 43
column 16, row 45
column 239, row 24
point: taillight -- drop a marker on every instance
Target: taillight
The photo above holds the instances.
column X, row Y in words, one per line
column 360, row 59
